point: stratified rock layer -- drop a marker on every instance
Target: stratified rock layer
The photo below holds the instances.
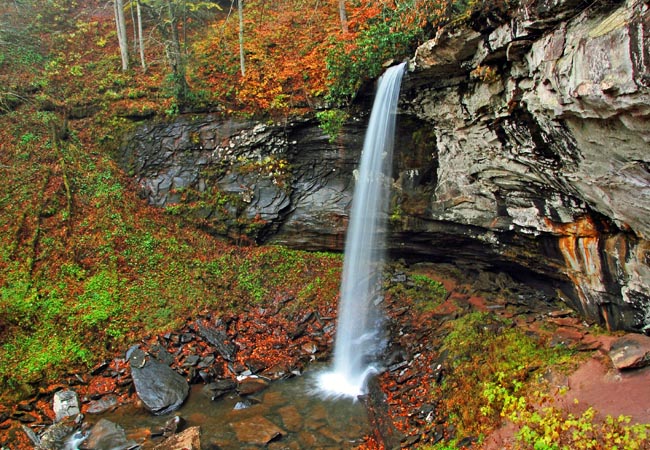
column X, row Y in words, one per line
column 543, row 146
column 523, row 147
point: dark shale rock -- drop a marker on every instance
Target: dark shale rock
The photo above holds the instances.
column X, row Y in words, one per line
column 219, row 388
column 102, row 404
column 522, row 148
column 161, row 354
column 251, row 385
column 377, row 407
column 219, row 339
column 160, row 388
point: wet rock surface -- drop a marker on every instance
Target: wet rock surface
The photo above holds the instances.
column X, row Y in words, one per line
column 189, row 439
column 161, row 389
column 522, row 145
column 106, row 435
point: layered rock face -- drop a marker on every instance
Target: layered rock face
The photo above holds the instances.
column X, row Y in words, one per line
column 523, row 147
column 283, row 182
column 543, row 145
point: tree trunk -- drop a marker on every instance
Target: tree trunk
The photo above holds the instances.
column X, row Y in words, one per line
column 241, row 37
column 343, row 16
column 134, row 26
column 138, row 11
column 120, row 23
column 175, row 56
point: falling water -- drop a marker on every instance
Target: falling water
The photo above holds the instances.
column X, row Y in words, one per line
column 359, row 330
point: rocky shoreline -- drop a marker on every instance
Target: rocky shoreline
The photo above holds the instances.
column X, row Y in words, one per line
column 243, row 354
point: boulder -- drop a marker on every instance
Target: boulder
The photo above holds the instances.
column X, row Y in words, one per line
column 160, row 388
column 65, row 404
column 630, row 351
column 106, row 435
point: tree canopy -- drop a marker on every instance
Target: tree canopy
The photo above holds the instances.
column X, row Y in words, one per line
column 298, row 54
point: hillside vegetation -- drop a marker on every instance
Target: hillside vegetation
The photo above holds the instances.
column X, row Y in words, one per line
column 85, row 266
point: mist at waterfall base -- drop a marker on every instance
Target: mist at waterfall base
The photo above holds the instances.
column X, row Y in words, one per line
column 359, row 333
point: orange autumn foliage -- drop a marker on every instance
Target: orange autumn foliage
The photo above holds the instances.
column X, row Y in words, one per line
column 286, row 48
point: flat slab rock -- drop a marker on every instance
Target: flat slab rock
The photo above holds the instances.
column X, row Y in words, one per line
column 189, row 439
column 106, row 435
column 630, row 351
column 257, row 431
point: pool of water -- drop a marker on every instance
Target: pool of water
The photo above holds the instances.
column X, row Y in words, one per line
column 286, row 415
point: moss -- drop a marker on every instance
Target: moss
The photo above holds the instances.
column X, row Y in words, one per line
column 420, row 290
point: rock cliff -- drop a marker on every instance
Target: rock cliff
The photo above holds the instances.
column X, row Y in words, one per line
column 543, row 143
column 523, row 147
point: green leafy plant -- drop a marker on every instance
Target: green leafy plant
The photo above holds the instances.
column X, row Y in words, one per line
column 100, row 301
column 349, row 67
column 331, row 121
column 550, row 428
column 28, row 138
column 492, row 364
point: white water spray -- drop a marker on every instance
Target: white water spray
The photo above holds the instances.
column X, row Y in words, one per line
column 359, row 330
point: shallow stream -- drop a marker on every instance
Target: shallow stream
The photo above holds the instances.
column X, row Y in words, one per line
column 288, row 414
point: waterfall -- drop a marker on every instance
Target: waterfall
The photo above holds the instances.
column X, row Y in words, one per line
column 359, row 329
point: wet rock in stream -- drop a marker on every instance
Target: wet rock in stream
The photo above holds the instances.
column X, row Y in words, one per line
column 160, row 388
column 219, row 388
column 102, row 405
column 251, row 385
column 106, row 435
column 189, row 439
column 257, row 431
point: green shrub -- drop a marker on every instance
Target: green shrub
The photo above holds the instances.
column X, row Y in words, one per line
column 331, row 121
column 99, row 303
column 550, row 428
column 349, row 68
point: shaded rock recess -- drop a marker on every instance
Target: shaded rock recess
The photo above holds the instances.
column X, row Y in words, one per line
column 523, row 147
